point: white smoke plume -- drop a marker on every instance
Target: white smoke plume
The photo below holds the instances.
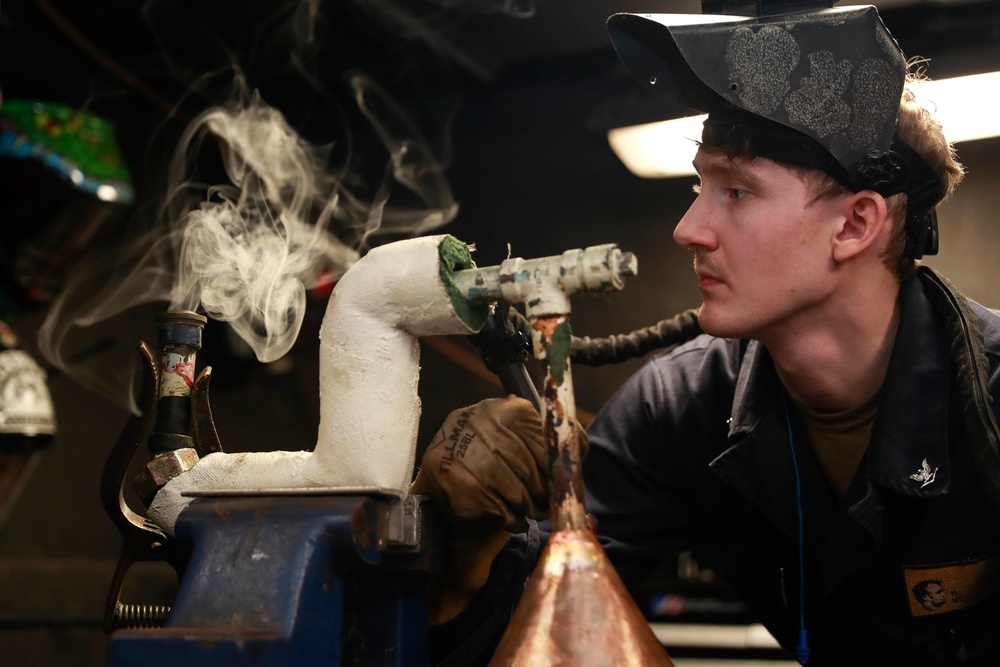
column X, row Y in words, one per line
column 249, row 252
column 247, row 249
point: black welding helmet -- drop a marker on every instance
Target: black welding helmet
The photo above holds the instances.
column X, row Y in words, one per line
column 818, row 89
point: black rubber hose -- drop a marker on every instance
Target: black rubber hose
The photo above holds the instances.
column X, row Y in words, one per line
column 621, row 347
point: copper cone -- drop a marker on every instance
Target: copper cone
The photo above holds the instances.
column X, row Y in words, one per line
column 576, row 612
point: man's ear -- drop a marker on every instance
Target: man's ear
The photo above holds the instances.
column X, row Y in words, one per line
column 865, row 216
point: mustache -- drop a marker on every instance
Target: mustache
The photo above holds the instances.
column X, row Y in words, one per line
column 704, row 264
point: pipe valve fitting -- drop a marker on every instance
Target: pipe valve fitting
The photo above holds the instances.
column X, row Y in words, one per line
column 171, row 444
column 544, row 284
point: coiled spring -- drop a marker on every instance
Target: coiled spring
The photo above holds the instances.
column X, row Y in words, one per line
column 132, row 616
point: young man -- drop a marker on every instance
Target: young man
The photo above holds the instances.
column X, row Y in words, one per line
column 830, row 440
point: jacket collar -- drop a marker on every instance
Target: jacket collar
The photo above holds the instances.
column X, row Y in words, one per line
column 911, row 426
column 909, row 447
column 758, row 462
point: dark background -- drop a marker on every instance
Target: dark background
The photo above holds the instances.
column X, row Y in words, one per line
column 516, row 108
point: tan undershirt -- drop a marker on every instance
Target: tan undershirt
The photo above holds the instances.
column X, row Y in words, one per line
column 840, row 440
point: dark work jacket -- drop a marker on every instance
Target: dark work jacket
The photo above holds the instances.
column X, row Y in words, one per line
column 695, row 450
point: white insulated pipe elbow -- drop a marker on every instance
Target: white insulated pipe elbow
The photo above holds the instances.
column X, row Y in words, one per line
column 369, row 372
column 369, row 359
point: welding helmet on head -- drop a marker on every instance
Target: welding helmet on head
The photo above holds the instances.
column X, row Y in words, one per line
column 818, row 89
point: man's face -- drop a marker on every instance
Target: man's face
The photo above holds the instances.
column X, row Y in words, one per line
column 762, row 246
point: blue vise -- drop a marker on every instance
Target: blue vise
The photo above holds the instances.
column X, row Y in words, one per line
column 293, row 580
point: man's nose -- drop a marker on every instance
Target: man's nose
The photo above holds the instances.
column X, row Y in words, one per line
column 693, row 230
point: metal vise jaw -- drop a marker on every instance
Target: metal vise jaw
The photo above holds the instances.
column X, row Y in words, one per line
column 296, row 579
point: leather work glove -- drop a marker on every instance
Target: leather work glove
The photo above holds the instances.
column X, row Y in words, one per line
column 487, row 469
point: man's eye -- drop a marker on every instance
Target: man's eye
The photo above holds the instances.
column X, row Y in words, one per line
column 737, row 193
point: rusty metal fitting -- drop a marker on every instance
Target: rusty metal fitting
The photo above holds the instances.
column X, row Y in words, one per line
column 160, row 470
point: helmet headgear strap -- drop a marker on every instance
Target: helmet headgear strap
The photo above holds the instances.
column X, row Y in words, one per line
column 902, row 170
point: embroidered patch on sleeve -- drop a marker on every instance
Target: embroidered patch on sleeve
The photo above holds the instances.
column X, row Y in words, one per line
column 939, row 589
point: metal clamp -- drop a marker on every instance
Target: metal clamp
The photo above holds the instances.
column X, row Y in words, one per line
column 142, row 540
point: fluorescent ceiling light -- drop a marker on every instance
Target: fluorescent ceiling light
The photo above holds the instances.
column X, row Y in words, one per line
column 965, row 106
column 658, row 150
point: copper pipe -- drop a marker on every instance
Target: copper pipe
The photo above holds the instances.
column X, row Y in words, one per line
column 552, row 335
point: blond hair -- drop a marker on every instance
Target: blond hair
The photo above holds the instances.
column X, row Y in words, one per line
column 920, row 130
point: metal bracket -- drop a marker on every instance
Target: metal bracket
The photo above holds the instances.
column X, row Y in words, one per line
column 142, row 540
column 406, row 523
